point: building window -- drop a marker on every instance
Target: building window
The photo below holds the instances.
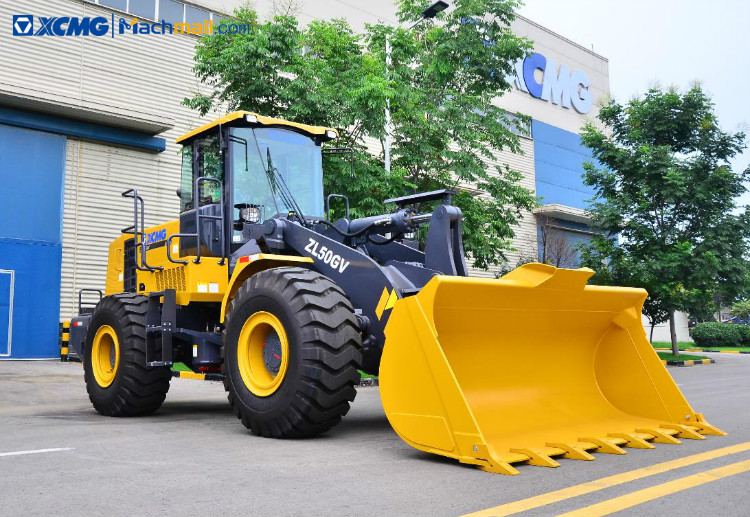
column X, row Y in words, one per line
column 517, row 126
column 560, row 241
column 171, row 11
column 195, row 15
column 121, row 5
column 142, row 8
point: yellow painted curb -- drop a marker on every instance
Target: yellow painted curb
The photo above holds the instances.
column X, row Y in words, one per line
column 191, row 375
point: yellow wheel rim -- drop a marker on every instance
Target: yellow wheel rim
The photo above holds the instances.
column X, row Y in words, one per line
column 105, row 355
column 262, row 353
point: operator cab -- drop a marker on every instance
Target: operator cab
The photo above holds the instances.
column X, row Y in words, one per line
column 249, row 168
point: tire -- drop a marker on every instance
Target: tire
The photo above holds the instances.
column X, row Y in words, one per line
column 322, row 359
column 133, row 388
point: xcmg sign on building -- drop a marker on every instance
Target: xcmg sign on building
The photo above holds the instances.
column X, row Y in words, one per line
column 558, row 84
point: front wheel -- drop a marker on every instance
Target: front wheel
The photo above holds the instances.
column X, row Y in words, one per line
column 117, row 379
column 291, row 353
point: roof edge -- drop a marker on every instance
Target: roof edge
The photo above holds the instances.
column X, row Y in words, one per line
column 558, row 35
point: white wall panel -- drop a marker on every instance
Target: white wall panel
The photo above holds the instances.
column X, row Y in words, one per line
column 95, row 212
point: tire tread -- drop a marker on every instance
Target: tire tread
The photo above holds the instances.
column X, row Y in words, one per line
column 141, row 390
column 331, row 353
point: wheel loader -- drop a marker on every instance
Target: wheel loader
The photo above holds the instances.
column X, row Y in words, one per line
column 255, row 285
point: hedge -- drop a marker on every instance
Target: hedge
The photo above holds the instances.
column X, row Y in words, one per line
column 720, row 334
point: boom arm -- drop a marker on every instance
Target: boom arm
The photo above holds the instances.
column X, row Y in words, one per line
column 373, row 271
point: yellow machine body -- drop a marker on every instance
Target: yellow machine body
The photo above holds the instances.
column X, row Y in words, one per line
column 528, row 367
column 206, row 281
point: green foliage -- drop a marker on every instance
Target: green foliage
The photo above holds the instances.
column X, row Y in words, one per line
column 666, row 188
column 443, row 77
column 720, row 334
column 741, row 309
column 623, row 270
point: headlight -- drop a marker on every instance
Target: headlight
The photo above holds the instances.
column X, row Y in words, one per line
column 250, row 214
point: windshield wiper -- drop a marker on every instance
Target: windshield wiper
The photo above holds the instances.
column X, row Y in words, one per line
column 277, row 183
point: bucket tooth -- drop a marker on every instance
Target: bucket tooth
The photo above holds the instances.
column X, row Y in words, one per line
column 684, row 431
column 501, row 468
column 636, row 442
column 603, row 445
column 660, row 436
column 705, row 428
column 572, row 451
column 537, row 458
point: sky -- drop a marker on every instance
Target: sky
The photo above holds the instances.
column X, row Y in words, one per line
column 667, row 42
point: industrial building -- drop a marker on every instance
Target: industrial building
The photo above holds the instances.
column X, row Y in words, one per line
column 85, row 117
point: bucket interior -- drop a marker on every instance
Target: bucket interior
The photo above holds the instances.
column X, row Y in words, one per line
column 551, row 365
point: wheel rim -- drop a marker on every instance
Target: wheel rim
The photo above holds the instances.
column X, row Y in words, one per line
column 105, row 355
column 262, row 353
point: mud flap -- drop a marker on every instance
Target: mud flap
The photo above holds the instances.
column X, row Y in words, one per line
column 526, row 368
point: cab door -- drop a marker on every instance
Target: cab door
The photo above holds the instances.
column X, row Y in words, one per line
column 202, row 158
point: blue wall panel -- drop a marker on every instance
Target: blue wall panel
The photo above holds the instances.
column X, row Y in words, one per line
column 36, row 298
column 32, row 170
column 558, row 162
column 32, row 166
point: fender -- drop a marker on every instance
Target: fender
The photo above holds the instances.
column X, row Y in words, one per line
column 249, row 265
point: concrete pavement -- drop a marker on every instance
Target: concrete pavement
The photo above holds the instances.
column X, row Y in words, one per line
column 194, row 458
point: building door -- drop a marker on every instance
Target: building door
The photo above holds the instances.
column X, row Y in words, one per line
column 6, row 312
column 32, row 166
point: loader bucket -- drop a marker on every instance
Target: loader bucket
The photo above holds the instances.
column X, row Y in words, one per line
column 529, row 367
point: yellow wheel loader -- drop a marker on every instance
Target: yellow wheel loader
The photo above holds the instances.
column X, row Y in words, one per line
column 256, row 286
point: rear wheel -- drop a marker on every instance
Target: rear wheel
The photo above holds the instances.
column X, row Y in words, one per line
column 291, row 353
column 117, row 379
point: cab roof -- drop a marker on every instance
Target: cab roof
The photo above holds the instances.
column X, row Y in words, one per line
column 250, row 119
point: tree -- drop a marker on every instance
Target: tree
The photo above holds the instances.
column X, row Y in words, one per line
column 445, row 75
column 655, row 310
column 741, row 309
column 614, row 267
column 664, row 185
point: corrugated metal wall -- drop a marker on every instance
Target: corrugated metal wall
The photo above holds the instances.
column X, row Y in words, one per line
column 525, row 239
column 141, row 77
column 525, row 232
column 95, row 212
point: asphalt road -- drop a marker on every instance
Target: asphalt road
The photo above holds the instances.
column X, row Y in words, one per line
column 195, row 458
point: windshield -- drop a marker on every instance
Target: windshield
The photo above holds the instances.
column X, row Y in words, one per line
column 297, row 161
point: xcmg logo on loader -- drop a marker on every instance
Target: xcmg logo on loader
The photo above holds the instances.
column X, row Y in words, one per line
column 158, row 235
column 327, row 256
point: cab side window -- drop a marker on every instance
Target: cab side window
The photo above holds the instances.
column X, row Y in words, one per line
column 186, row 179
column 210, row 164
